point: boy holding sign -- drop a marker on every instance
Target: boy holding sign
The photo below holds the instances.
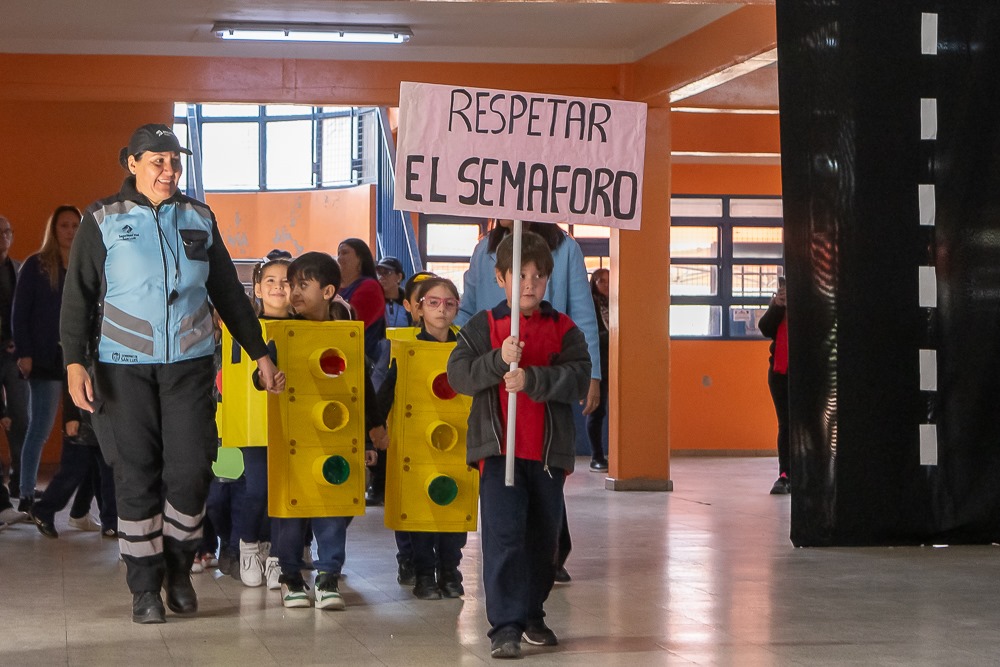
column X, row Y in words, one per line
column 520, row 523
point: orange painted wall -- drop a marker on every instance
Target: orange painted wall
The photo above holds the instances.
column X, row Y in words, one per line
column 719, row 399
column 56, row 153
column 743, row 133
column 62, row 152
column 254, row 223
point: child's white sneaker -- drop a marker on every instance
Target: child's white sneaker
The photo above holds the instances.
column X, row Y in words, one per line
column 251, row 569
column 294, row 594
column 272, row 571
column 85, row 522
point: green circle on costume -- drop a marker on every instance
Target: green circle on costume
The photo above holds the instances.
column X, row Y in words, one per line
column 228, row 463
column 336, row 470
column 442, row 490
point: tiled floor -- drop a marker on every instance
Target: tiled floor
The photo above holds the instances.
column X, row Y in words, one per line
column 703, row 575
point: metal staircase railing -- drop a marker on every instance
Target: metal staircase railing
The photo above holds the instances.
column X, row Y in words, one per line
column 394, row 232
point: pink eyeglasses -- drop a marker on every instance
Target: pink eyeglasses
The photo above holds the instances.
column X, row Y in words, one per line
column 437, row 302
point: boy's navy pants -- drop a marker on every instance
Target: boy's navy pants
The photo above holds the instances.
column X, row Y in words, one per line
column 520, row 527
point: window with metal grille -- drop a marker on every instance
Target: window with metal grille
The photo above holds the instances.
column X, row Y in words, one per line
column 726, row 254
column 258, row 147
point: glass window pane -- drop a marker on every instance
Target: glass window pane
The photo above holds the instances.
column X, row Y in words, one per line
column 289, row 154
column 337, row 109
column 695, row 320
column 755, row 280
column 222, row 110
column 180, row 109
column 758, row 242
column 230, row 156
column 453, row 271
column 288, row 110
column 338, row 150
column 451, row 239
column 181, row 132
column 743, row 321
column 694, row 280
column 685, row 207
column 594, row 262
column 755, row 208
column 591, row 232
column 694, row 241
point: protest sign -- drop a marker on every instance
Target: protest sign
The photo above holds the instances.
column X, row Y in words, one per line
column 522, row 156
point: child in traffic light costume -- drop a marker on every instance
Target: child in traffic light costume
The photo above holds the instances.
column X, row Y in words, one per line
column 431, row 492
column 316, row 443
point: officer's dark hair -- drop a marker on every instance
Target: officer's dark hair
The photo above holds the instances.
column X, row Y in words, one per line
column 317, row 266
column 533, row 249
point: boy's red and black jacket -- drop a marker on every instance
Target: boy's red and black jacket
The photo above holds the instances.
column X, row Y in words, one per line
column 476, row 368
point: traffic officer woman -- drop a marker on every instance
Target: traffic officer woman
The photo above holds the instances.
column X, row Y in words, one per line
column 144, row 265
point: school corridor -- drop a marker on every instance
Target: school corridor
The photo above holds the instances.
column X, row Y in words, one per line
column 704, row 575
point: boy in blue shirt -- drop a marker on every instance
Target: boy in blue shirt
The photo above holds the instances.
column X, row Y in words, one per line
column 520, row 524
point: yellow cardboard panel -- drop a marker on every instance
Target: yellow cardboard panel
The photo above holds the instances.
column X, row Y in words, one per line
column 427, row 428
column 316, row 426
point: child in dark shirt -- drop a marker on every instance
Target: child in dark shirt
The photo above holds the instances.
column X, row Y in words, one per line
column 520, row 523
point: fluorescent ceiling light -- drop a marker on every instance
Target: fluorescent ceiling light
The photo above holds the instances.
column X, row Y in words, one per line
column 313, row 32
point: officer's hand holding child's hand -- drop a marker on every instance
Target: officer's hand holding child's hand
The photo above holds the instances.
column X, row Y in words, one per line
column 271, row 378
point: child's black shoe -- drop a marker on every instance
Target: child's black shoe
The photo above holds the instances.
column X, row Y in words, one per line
column 426, row 588
column 506, row 644
column 450, row 583
column 406, row 575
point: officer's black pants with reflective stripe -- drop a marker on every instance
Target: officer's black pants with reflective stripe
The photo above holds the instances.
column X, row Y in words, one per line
column 156, row 426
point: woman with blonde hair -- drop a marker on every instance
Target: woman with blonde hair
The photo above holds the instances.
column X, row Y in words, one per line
column 35, row 325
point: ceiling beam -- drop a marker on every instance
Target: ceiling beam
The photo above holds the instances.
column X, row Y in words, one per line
column 717, row 50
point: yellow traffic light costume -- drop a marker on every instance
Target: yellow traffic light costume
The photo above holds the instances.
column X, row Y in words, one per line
column 316, row 428
column 429, row 486
column 431, row 493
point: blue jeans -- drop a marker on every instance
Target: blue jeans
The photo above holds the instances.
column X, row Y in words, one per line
column 331, row 543
column 42, row 406
column 252, row 523
column 520, row 527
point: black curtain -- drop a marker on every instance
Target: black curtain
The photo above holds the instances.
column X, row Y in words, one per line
column 851, row 79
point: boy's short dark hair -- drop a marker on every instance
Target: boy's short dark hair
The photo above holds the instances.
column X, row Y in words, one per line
column 533, row 249
column 317, row 266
